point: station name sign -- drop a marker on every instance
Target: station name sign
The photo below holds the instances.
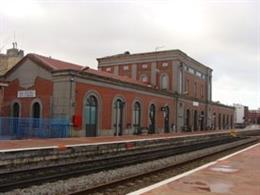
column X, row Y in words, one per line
column 26, row 94
column 195, row 103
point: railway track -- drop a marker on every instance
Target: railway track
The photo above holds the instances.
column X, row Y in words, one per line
column 24, row 178
column 133, row 183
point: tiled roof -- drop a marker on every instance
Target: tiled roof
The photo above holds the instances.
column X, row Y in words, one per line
column 55, row 65
column 115, row 77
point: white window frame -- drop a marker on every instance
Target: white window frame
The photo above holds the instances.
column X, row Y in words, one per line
column 164, row 81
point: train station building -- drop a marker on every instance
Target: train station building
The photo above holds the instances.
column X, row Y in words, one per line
column 154, row 92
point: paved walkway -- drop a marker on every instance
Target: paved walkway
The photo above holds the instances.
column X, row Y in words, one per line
column 237, row 174
column 26, row 144
column 53, row 142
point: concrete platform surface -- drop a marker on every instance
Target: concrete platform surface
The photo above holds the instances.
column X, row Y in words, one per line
column 43, row 143
column 29, row 144
column 236, row 174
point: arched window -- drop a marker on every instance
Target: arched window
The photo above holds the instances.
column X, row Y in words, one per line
column 36, row 114
column 187, row 120
column 223, row 122
column 136, row 117
column 166, row 119
column 36, row 110
column 195, row 120
column 16, row 110
column 214, row 121
column 152, row 111
column 219, row 121
column 164, row 82
column 91, row 113
column 144, row 78
column 231, row 121
column 118, row 107
column 227, row 122
column 15, row 121
column 202, row 120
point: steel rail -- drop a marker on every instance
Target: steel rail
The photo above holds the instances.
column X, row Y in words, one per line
column 41, row 175
column 123, row 181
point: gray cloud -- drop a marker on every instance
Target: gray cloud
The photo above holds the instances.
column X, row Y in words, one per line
column 221, row 34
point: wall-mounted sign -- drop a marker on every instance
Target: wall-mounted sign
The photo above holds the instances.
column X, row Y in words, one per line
column 26, row 93
column 195, row 103
column 163, row 108
column 165, row 64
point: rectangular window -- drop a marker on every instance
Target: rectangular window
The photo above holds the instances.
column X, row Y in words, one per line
column 126, row 67
column 209, row 90
column 195, row 89
column 180, row 82
column 165, row 64
column 108, row 69
column 144, row 66
column 198, row 74
column 191, row 70
column 187, row 83
column 201, row 91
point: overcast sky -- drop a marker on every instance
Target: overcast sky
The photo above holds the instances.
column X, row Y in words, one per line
column 222, row 34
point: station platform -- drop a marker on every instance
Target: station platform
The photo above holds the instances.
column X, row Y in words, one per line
column 48, row 143
column 235, row 174
column 53, row 143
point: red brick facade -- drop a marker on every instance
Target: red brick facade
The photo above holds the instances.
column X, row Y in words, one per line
column 100, row 103
column 194, row 86
column 108, row 95
column 44, row 90
column 253, row 116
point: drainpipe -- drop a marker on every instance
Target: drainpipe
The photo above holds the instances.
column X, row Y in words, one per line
column 70, row 105
column 176, row 125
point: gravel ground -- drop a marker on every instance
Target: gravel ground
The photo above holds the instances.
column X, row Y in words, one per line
column 81, row 183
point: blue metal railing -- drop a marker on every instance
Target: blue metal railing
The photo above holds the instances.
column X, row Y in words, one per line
column 21, row 128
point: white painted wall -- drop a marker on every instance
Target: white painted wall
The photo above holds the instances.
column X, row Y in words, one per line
column 239, row 113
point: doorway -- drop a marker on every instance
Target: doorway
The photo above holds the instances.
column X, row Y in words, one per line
column 137, row 117
column 202, row 121
column 118, row 117
column 36, row 113
column 166, row 119
column 15, row 119
column 152, row 118
column 195, row 120
column 187, row 126
column 91, row 113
